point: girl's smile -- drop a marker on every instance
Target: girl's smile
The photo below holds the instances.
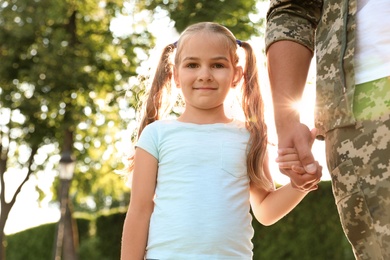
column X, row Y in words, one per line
column 205, row 73
column 205, row 88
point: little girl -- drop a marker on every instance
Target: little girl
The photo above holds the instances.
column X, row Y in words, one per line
column 196, row 177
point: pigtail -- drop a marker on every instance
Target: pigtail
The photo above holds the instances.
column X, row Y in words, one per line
column 253, row 107
column 157, row 104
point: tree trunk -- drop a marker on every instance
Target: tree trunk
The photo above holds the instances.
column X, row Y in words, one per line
column 7, row 206
column 5, row 209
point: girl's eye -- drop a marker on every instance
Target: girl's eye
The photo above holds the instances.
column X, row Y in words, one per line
column 192, row 65
column 218, row 66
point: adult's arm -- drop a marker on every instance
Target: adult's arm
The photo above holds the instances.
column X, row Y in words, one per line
column 288, row 65
column 290, row 38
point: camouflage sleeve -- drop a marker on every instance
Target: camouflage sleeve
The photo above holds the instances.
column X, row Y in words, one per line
column 294, row 20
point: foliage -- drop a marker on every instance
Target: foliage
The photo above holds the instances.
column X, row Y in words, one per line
column 109, row 228
column 239, row 16
column 311, row 231
column 63, row 69
column 89, row 249
column 38, row 243
column 32, row 244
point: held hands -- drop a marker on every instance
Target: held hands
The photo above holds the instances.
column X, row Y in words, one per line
column 290, row 165
column 297, row 161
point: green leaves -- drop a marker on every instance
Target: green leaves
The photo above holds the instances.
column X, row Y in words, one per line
column 62, row 70
column 234, row 14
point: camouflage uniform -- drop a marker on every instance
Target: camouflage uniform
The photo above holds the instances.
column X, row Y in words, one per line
column 354, row 120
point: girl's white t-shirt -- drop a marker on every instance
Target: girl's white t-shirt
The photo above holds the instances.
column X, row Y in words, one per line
column 372, row 52
column 202, row 208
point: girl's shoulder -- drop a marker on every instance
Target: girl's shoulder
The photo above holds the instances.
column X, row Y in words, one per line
column 160, row 126
column 238, row 123
column 162, row 123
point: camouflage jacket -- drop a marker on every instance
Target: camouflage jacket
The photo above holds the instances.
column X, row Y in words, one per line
column 328, row 28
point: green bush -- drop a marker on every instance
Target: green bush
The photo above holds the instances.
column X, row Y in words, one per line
column 89, row 249
column 84, row 224
column 311, row 231
column 32, row 244
column 38, row 243
column 109, row 232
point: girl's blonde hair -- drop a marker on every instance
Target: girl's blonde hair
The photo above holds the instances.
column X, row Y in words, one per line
column 251, row 102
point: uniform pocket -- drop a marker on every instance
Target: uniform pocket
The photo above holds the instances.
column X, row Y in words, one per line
column 233, row 158
column 345, row 182
column 355, row 215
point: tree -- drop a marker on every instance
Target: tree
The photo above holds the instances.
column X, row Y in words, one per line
column 62, row 73
column 239, row 16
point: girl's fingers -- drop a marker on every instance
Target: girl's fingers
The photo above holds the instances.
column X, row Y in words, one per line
column 298, row 169
column 287, row 158
column 287, row 155
column 284, row 151
column 289, row 164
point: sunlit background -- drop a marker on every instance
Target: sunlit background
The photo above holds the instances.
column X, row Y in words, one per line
column 44, row 212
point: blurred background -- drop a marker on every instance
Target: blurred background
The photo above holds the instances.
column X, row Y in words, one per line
column 72, row 76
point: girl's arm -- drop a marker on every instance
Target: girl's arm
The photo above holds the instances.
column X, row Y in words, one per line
column 270, row 206
column 136, row 226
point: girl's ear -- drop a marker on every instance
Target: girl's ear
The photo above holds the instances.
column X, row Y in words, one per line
column 237, row 76
column 176, row 77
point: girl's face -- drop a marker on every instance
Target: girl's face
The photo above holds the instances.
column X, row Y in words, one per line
column 205, row 71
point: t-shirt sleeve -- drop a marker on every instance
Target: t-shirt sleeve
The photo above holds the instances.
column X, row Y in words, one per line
column 149, row 140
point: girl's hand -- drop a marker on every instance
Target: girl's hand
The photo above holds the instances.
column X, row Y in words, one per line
column 288, row 159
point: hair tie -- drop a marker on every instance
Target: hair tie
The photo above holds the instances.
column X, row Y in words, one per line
column 239, row 43
column 175, row 44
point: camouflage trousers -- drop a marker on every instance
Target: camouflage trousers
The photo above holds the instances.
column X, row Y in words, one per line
column 358, row 159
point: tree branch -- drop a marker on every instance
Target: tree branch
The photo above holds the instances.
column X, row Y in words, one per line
column 3, row 167
column 30, row 162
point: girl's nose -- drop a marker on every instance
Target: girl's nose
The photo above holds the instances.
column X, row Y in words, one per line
column 205, row 75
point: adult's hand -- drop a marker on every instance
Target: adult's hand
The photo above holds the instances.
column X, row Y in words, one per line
column 298, row 139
